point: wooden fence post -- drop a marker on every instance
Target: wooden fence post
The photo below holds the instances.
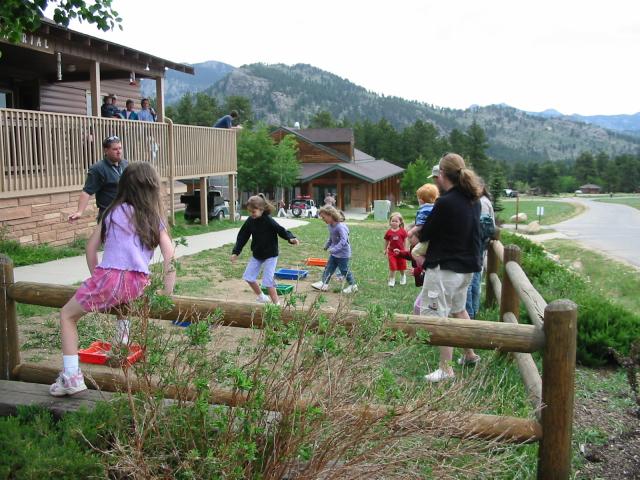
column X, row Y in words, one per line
column 9, row 345
column 493, row 264
column 558, row 372
column 509, row 301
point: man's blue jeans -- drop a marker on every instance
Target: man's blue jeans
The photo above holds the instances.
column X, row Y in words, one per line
column 335, row 263
column 473, row 295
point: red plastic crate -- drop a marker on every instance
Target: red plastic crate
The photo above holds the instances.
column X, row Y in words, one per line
column 317, row 262
column 98, row 351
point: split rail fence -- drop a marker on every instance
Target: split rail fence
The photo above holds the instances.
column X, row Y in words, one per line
column 552, row 332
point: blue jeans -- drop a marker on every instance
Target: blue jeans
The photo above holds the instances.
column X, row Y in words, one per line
column 335, row 263
column 473, row 295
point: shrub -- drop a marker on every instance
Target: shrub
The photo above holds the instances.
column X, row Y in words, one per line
column 601, row 323
column 33, row 445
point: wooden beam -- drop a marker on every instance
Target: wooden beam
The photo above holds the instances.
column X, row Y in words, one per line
column 204, row 191
column 458, row 424
column 16, row 394
column 509, row 300
column 9, row 342
column 160, row 99
column 558, row 380
column 533, row 301
column 454, row 332
column 94, row 76
column 529, row 373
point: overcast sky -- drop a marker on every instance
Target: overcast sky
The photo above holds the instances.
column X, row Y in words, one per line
column 577, row 56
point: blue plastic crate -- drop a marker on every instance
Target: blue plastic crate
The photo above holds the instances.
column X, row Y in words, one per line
column 289, row 274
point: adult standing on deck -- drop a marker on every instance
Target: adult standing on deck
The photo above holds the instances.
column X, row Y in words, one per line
column 454, row 252
column 102, row 178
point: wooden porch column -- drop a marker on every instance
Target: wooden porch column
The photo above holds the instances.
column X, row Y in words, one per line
column 94, row 78
column 232, row 197
column 310, row 189
column 160, row 99
column 340, row 202
column 204, row 212
column 368, row 196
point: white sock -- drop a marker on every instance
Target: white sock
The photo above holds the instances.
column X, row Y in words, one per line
column 70, row 364
column 123, row 327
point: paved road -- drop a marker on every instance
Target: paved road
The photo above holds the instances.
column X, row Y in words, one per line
column 606, row 227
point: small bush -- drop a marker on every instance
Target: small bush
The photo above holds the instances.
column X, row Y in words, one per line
column 34, row 446
column 601, row 323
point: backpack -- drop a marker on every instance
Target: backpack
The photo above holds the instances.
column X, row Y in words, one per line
column 487, row 229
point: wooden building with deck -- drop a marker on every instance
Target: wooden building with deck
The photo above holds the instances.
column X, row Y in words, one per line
column 51, row 88
column 332, row 164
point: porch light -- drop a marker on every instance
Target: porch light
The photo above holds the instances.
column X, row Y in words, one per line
column 132, row 78
column 146, row 69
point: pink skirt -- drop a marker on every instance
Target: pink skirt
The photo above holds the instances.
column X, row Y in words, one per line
column 110, row 287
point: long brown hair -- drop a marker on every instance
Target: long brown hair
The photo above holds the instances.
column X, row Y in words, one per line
column 139, row 186
column 260, row 202
column 453, row 167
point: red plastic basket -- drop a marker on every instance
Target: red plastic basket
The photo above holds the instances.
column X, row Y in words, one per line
column 317, row 262
column 98, row 351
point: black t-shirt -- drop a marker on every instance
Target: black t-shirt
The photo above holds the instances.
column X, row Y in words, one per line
column 453, row 232
column 264, row 232
column 102, row 181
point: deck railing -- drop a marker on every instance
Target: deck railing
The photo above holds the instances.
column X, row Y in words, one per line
column 50, row 152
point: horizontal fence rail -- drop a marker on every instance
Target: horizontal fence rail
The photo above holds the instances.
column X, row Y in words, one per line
column 43, row 152
column 454, row 332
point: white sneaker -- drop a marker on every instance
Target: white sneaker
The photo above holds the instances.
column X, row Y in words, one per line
column 320, row 285
column 262, row 298
column 403, row 279
column 68, row 384
column 392, row 282
column 438, row 376
column 351, row 289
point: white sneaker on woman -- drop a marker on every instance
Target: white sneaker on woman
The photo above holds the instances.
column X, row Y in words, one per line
column 438, row 376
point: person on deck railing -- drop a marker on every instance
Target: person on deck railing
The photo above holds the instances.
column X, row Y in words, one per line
column 102, row 178
column 227, row 120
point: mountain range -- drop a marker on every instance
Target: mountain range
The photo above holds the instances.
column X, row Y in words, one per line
column 282, row 95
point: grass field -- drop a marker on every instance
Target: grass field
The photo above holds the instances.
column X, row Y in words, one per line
column 632, row 201
column 554, row 211
column 619, row 282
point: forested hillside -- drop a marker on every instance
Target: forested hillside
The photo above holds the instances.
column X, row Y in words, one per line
column 281, row 95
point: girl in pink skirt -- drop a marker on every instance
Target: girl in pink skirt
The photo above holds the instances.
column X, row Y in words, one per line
column 131, row 228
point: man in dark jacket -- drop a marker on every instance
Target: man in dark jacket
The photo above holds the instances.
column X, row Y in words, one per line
column 102, row 178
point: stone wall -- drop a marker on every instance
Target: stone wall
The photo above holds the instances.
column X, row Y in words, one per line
column 43, row 219
column 39, row 219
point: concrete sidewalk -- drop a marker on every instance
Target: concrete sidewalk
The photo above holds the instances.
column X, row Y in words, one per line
column 68, row 271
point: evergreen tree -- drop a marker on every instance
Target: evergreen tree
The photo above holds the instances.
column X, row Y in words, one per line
column 548, row 180
column 414, row 177
column 476, row 146
column 585, row 168
column 322, row 119
column 496, row 187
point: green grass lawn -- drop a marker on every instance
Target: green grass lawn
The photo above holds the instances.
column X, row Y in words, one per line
column 632, row 201
column 618, row 281
column 554, row 211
